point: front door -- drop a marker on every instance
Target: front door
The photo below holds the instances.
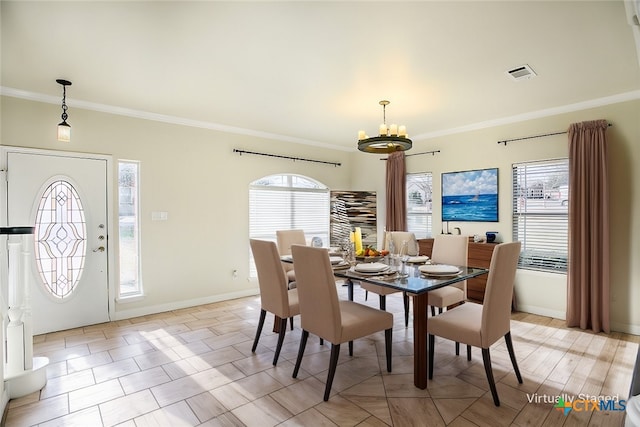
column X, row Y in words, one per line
column 65, row 197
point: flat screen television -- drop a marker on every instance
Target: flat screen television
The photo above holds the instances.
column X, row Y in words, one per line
column 470, row 195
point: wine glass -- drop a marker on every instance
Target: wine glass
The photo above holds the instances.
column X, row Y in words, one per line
column 404, row 255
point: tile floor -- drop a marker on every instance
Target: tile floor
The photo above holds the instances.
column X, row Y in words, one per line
column 194, row 367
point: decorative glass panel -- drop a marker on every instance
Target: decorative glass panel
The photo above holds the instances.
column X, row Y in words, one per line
column 60, row 239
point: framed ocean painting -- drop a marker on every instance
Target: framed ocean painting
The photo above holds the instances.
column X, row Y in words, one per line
column 470, row 195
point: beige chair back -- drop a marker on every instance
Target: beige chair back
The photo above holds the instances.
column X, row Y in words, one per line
column 400, row 236
column 286, row 238
column 271, row 278
column 451, row 249
column 496, row 310
column 319, row 307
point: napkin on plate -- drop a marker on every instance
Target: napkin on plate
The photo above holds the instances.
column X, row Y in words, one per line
column 439, row 269
column 371, row 267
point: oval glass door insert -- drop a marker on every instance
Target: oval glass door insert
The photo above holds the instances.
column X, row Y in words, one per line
column 60, row 239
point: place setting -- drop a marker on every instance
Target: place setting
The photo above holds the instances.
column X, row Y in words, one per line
column 376, row 270
column 338, row 262
column 419, row 259
column 439, row 271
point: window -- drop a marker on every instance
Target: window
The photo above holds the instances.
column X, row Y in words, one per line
column 283, row 202
column 129, row 228
column 419, row 195
column 540, row 213
column 61, row 239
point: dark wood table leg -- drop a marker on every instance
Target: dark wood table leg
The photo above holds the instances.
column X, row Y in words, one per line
column 350, row 289
column 420, row 342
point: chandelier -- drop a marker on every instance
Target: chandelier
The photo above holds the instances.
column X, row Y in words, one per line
column 390, row 139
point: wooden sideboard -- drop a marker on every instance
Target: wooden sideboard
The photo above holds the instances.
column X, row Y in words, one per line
column 479, row 256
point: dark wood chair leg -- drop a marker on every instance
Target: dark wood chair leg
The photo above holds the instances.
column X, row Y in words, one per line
column 469, row 353
column 433, row 311
column 281, row 333
column 321, row 341
column 383, row 302
column 263, row 314
column 303, row 344
column 333, row 363
column 486, row 359
column 512, row 355
column 388, row 335
column 350, row 348
column 366, row 295
column 291, row 322
column 432, row 341
column 439, row 310
column 457, row 348
column 405, row 297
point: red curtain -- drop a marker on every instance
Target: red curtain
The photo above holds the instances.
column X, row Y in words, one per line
column 588, row 273
column 396, row 192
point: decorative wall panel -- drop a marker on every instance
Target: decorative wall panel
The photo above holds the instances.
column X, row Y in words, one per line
column 351, row 209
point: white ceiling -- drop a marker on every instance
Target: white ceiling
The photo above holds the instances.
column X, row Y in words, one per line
column 313, row 72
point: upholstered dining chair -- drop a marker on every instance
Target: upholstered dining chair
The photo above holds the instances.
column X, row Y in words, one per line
column 397, row 237
column 275, row 297
column 285, row 239
column 481, row 325
column 449, row 249
column 332, row 319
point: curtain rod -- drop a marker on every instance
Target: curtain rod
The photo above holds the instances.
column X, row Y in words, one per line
column 418, row 154
column 241, row 152
column 534, row 136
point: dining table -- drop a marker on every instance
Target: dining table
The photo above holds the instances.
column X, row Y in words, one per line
column 414, row 282
column 406, row 277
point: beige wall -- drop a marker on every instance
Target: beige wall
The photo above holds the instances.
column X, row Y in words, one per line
column 193, row 175
column 545, row 293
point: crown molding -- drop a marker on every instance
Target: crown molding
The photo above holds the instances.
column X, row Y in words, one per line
column 145, row 115
column 593, row 103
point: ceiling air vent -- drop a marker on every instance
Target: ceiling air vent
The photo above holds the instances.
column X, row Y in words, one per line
column 523, row 72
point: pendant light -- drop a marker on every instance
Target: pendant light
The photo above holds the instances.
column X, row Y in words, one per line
column 64, row 129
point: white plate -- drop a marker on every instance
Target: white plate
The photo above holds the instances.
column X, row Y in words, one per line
column 386, row 272
column 439, row 269
column 418, row 259
column 370, row 267
column 335, row 259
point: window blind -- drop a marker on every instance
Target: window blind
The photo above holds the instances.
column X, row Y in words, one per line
column 284, row 202
column 419, row 204
column 540, row 213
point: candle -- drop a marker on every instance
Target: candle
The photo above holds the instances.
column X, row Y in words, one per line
column 402, row 131
column 358, row 239
column 383, row 130
column 393, row 130
column 361, row 135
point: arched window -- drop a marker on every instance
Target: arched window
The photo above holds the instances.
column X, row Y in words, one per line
column 283, row 202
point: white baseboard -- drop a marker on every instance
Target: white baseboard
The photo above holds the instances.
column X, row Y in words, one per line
column 542, row 311
column 626, row 328
column 144, row 311
column 4, row 399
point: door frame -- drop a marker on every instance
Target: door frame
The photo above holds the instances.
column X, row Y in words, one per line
column 111, row 236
